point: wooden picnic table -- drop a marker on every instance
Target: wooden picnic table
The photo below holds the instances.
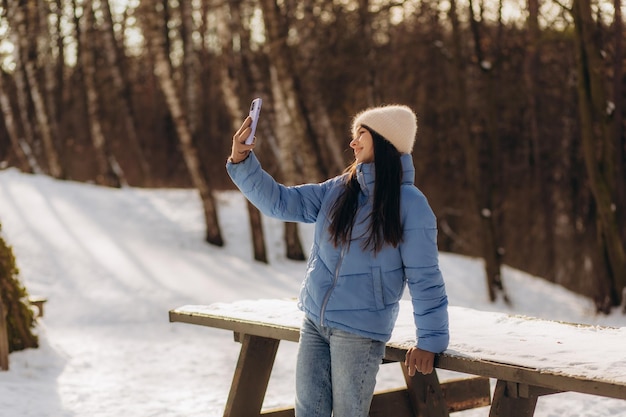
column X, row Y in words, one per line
column 528, row 358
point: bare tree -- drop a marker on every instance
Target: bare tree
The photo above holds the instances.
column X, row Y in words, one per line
column 23, row 17
column 50, row 65
column 229, row 23
column 307, row 54
column 156, row 43
column 598, row 151
column 542, row 203
column 60, row 61
column 368, row 51
column 108, row 171
column 290, row 115
column 22, row 98
column 485, row 172
column 618, row 120
column 121, row 84
column 22, row 150
column 295, row 149
column 190, row 67
column 479, row 187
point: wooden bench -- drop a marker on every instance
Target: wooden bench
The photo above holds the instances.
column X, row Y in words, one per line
column 510, row 349
column 37, row 301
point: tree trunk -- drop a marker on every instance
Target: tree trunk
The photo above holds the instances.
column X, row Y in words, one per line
column 618, row 118
column 543, row 227
column 291, row 121
column 329, row 146
column 121, row 84
column 156, row 43
column 21, row 149
column 485, row 173
column 21, row 144
column 21, row 93
column 229, row 20
column 60, row 62
column 258, row 237
column 190, row 67
column 293, row 243
column 295, row 149
column 51, row 90
column 598, row 152
column 107, row 174
column 369, row 53
column 27, row 37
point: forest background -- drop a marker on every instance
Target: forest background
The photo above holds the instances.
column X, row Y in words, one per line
column 521, row 146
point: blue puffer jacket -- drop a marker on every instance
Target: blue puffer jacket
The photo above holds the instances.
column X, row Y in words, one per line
column 346, row 287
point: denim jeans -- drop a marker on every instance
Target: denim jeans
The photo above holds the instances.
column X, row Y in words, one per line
column 335, row 372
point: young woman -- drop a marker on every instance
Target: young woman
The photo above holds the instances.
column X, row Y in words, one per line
column 374, row 234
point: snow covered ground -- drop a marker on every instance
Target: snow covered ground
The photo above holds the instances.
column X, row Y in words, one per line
column 113, row 262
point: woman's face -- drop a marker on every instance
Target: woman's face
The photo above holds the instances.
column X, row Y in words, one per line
column 363, row 146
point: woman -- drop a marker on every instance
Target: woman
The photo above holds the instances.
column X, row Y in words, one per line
column 374, row 233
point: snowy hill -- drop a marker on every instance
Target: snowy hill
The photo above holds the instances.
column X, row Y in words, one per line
column 113, row 262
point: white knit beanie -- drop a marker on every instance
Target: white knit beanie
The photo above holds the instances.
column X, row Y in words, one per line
column 396, row 123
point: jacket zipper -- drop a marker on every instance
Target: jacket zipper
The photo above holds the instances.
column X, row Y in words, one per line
column 332, row 287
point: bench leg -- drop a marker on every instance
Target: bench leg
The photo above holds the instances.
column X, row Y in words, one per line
column 425, row 394
column 4, row 340
column 251, row 376
column 510, row 401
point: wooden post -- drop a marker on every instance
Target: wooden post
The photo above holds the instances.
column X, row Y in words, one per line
column 252, row 375
column 4, row 339
column 510, row 401
column 425, row 394
column 38, row 302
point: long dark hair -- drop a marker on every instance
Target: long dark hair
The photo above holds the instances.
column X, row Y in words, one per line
column 385, row 226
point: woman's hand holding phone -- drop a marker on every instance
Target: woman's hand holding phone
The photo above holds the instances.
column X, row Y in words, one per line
column 244, row 140
column 240, row 150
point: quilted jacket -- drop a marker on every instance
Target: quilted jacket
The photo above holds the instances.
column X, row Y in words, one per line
column 347, row 287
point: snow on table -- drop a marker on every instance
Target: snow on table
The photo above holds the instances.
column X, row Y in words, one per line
column 589, row 352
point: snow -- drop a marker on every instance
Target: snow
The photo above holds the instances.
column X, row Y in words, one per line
column 522, row 341
column 113, row 262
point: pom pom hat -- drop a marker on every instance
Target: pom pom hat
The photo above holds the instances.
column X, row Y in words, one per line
column 396, row 123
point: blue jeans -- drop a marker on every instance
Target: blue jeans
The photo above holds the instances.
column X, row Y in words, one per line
column 335, row 372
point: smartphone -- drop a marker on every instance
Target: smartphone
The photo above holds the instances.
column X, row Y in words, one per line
column 255, row 110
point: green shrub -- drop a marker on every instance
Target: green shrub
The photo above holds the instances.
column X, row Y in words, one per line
column 19, row 317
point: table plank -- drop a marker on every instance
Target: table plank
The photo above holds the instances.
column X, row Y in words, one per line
column 471, row 349
column 252, row 327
